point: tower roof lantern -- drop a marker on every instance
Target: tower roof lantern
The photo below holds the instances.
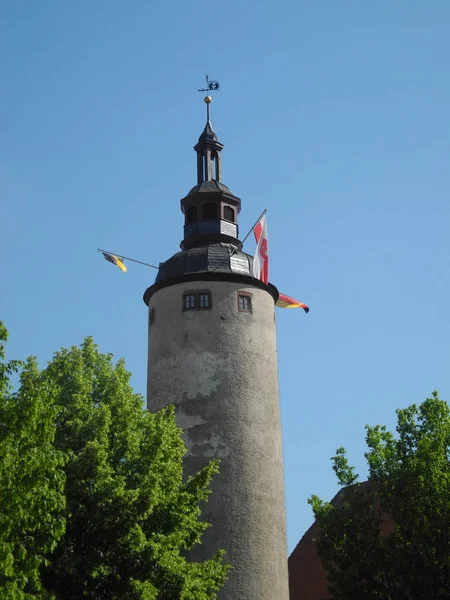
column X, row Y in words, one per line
column 210, row 208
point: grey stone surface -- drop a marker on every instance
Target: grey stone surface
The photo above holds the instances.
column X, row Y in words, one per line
column 219, row 367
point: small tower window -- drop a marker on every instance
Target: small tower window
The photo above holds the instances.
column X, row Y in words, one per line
column 191, row 214
column 151, row 319
column 189, row 302
column 228, row 214
column 210, row 211
column 244, row 303
column 197, row 300
column 204, row 300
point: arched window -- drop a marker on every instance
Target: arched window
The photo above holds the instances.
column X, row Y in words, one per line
column 191, row 214
column 228, row 214
column 210, row 211
column 215, row 165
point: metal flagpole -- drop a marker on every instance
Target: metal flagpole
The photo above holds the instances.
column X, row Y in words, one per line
column 127, row 258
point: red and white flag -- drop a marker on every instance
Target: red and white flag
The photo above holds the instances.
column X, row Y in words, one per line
column 261, row 258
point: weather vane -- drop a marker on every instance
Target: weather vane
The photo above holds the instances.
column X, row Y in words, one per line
column 211, row 86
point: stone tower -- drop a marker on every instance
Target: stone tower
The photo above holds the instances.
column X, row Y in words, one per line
column 212, row 353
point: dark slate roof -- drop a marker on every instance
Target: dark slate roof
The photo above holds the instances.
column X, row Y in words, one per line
column 211, row 186
column 217, row 258
column 208, row 134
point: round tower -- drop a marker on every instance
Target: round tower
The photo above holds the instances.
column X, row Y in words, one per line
column 212, row 353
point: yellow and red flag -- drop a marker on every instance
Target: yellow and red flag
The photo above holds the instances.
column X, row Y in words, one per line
column 115, row 260
column 288, row 302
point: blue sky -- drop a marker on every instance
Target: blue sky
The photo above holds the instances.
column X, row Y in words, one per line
column 334, row 116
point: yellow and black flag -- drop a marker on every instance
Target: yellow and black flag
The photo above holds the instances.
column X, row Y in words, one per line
column 115, row 260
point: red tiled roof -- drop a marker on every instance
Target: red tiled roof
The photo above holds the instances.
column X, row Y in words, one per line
column 307, row 577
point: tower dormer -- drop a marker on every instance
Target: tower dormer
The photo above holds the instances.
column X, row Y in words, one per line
column 210, row 209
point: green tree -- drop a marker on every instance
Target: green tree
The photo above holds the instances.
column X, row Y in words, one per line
column 409, row 480
column 127, row 517
column 31, row 479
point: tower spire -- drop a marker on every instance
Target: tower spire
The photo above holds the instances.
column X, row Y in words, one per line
column 208, row 148
column 210, row 208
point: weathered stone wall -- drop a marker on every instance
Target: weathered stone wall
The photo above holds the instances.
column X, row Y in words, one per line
column 219, row 367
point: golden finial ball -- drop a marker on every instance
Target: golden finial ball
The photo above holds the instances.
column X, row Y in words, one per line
column 208, row 99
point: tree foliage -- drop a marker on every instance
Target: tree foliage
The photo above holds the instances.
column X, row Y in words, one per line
column 117, row 515
column 32, row 499
column 409, row 482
